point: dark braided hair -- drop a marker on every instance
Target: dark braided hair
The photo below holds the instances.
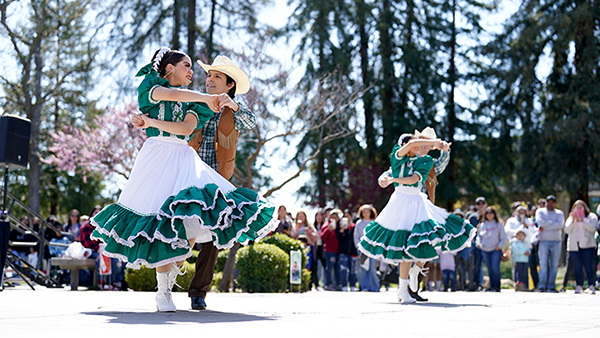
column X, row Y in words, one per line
column 404, row 138
column 172, row 57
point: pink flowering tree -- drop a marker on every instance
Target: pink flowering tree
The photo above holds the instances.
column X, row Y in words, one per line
column 108, row 146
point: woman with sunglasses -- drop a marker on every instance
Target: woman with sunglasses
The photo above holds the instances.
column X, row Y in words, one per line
column 491, row 238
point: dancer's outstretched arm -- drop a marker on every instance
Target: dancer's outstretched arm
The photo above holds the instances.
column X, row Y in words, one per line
column 418, row 143
column 185, row 127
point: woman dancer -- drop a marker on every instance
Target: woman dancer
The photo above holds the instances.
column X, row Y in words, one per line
column 172, row 197
column 410, row 227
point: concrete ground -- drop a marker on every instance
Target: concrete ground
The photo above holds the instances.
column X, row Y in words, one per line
column 64, row 313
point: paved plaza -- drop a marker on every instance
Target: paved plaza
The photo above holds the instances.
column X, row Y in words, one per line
column 65, row 313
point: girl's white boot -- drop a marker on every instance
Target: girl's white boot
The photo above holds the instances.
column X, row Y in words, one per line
column 403, row 294
column 164, row 300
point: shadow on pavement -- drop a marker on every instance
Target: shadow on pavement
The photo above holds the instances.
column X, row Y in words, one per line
column 158, row 318
column 438, row 305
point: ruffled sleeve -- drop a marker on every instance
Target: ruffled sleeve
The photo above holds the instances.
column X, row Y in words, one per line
column 146, row 88
column 422, row 166
column 201, row 111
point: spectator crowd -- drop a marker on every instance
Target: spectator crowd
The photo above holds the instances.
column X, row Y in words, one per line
column 531, row 241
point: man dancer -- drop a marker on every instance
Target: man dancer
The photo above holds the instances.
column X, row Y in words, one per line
column 439, row 165
column 216, row 145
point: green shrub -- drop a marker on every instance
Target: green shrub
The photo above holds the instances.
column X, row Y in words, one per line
column 217, row 277
column 221, row 259
column 287, row 244
column 144, row 279
column 506, row 270
column 262, row 268
column 193, row 258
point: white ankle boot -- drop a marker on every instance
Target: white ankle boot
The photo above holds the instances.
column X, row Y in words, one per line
column 413, row 277
column 403, row 294
column 164, row 300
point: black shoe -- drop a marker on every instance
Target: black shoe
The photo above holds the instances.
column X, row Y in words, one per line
column 416, row 296
column 542, row 290
column 552, row 291
column 198, row 303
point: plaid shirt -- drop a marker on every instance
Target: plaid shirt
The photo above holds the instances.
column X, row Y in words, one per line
column 84, row 236
column 243, row 119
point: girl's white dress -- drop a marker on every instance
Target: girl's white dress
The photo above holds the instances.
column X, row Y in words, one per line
column 410, row 227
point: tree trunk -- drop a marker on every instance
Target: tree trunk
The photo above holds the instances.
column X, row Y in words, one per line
column 366, row 79
column 451, row 104
column 175, row 44
column 191, row 26
column 36, row 117
column 225, row 283
column 389, row 79
column 210, row 47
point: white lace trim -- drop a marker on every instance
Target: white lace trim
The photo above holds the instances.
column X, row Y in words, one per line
column 150, row 95
column 405, row 249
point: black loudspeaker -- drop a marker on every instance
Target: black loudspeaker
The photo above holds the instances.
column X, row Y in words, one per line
column 14, row 141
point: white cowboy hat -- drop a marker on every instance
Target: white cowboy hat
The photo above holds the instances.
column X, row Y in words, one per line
column 427, row 133
column 224, row 65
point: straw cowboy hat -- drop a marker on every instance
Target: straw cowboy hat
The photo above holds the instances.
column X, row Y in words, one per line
column 224, row 65
column 427, row 133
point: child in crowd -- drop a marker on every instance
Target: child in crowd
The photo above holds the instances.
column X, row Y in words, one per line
column 520, row 252
column 447, row 265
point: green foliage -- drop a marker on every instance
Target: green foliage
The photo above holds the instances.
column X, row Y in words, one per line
column 506, row 269
column 214, row 285
column 144, row 279
column 287, row 244
column 262, row 268
column 193, row 258
column 221, row 259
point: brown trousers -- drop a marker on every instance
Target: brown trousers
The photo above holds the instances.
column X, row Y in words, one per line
column 205, row 267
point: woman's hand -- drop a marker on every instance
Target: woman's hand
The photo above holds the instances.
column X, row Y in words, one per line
column 213, row 102
column 385, row 181
column 140, row 120
column 226, row 101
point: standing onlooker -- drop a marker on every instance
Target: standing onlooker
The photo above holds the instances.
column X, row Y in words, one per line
column 318, row 272
column 448, row 266
column 474, row 219
column 73, row 225
column 330, row 248
column 285, row 222
column 519, row 221
column 464, row 261
column 535, row 244
column 368, row 279
column 347, row 254
column 581, row 227
column 491, row 238
column 520, row 252
column 550, row 222
column 301, row 225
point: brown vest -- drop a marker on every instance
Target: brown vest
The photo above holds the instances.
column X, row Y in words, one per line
column 226, row 139
column 430, row 184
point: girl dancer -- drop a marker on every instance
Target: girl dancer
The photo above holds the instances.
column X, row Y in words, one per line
column 410, row 227
column 172, row 197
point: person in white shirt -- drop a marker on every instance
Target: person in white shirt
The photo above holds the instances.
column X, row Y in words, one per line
column 581, row 226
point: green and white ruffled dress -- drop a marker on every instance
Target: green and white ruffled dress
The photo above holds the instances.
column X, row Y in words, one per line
column 410, row 227
column 172, row 195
